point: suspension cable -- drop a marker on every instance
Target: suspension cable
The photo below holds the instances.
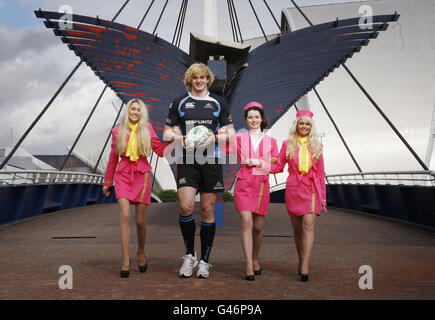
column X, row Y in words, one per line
column 120, row 10
column 258, row 20
column 158, row 21
column 230, row 13
column 300, row 11
column 237, row 19
column 146, row 13
column 178, row 21
column 273, row 16
column 180, row 33
column 107, row 139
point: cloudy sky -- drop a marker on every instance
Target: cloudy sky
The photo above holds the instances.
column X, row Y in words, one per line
column 33, row 64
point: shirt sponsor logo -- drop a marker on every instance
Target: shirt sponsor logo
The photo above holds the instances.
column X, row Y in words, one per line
column 190, row 105
column 194, row 122
column 168, row 121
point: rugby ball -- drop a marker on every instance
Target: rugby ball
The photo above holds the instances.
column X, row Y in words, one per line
column 196, row 136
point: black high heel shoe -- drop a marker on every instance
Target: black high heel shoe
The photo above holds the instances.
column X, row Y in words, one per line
column 144, row 268
column 305, row 276
column 258, row 272
column 250, row 278
column 125, row 273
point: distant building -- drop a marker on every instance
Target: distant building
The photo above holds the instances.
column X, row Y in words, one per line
column 73, row 164
column 22, row 160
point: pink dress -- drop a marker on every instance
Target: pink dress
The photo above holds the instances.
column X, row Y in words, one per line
column 251, row 190
column 132, row 179
column 304, row 194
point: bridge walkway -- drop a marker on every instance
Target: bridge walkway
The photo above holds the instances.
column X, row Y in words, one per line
column 402, row 258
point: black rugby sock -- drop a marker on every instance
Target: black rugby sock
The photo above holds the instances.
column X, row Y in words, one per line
column 187, row 226
column 207, row 233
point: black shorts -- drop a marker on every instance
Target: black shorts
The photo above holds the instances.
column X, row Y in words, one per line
column 203, row 177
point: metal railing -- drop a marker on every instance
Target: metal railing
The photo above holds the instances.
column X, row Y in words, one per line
column 416, row 178
column 48, row 177
column 412, row 178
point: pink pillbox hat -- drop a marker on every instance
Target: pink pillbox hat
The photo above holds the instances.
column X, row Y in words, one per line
column 253, row 104
column 304, row 113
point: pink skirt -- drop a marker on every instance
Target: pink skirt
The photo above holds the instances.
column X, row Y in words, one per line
column 299, row 204
column 137, row 189
column 251, row 195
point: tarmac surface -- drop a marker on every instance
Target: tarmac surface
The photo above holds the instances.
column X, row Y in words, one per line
column 401, row 257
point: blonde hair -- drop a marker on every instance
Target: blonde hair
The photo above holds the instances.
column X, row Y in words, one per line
column 197, row 69
column 143, row 134
column 313, row 140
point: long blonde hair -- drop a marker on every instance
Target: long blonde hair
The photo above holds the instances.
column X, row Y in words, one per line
column 313, row 140
column 143, row 134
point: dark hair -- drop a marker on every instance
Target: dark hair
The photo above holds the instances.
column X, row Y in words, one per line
column 264, row 122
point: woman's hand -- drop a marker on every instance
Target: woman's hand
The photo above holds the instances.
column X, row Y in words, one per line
column 252, row 162
column 106, row 191
column 324, row 205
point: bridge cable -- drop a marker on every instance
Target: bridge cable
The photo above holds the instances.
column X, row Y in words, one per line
column 182, row 24
column 338, row 131
column 144, row 16
column 107, row 139
column 178, row 21
column 237, row 19
column 14, row 149
column 158, row 21
column 273, row 16
column 83, row 128
column 230, row 13
column 258, row 20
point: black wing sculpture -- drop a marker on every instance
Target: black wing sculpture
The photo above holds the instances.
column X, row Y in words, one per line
column 134, row 63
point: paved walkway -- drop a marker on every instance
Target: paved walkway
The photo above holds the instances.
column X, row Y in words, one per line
column 401, row 256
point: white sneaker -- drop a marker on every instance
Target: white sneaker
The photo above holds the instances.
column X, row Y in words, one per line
column 189, row 263
column 203, row 268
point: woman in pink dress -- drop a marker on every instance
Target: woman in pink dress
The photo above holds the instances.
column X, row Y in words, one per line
column 133, row 141
column 305, row 194
column 255, row 150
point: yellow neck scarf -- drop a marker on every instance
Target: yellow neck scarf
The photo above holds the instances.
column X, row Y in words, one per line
column 132, row 148
column 304, row 156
